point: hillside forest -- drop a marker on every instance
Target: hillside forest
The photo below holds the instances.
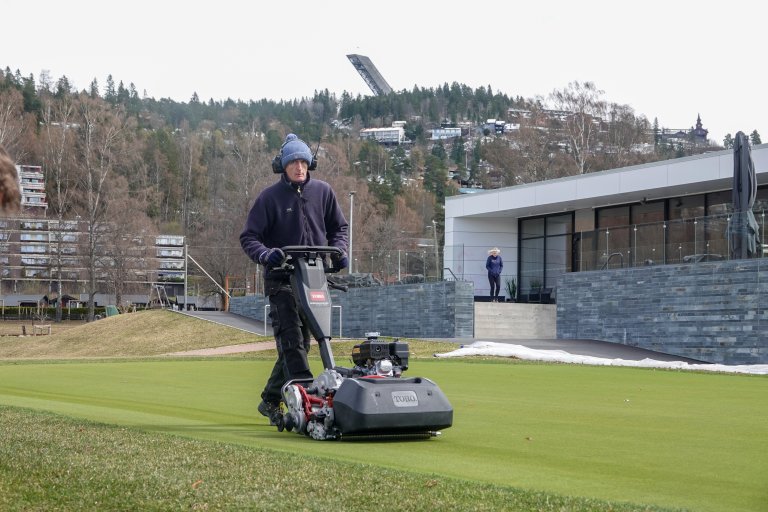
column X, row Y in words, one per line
column 113, row 156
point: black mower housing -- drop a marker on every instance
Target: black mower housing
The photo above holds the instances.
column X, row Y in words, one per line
column 368, row 405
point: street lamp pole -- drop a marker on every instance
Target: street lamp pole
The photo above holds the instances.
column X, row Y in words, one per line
column 351, row 213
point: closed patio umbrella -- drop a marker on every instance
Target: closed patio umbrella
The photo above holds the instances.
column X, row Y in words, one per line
column 743, row 228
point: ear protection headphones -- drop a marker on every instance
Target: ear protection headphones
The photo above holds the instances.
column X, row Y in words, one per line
column 277, row 162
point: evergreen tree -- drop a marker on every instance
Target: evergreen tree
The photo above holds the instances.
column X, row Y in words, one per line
column 754, row 137
column 110, row 94
column 438, row 150
column 458, row 153
column 122, row 94
column 31, row 100
column 62, row 87
column 93, row 90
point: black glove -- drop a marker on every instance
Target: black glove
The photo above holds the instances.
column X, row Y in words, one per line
column 272, row 257
column 340, row 261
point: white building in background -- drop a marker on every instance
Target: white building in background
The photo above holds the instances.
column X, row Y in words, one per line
column 390, row 135
column 32, row 185
column 648, row 213
column 446, row 133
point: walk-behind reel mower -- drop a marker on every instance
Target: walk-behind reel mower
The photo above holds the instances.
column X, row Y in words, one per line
column 369, row 400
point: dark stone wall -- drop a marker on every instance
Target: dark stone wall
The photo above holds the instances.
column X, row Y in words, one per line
column 713, row 312
column 443, row 309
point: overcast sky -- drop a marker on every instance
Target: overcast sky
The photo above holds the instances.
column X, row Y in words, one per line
column 667, row 60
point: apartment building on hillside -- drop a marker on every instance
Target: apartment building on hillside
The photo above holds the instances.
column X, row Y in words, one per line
column 35, row 252
column 32, row 185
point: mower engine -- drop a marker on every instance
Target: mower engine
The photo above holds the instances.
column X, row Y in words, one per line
column 383, row 358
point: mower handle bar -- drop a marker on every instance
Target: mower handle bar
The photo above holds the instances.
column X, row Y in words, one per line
column 308, row 251
column 321, row 249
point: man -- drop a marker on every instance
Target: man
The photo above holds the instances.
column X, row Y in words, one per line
column 297, row 210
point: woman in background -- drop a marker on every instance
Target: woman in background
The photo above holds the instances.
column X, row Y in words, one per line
column 494, row 265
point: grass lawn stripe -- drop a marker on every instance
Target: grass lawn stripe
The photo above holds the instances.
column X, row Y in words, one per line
column 50, row 462
column 676, row 439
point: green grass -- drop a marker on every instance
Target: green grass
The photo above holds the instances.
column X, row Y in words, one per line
column 526, row 436
column 145, row 333
column 50, row 462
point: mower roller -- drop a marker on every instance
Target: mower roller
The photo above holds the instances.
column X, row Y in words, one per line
column 369, row 400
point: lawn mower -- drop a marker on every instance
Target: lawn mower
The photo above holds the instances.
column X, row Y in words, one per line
column 370, row 399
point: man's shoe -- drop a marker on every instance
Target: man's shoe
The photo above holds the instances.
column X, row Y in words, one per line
column 271, row 411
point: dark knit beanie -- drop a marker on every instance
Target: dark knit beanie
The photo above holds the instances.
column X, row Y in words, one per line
column 294, row 149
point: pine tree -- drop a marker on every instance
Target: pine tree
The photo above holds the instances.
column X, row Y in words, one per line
column 94, row 89
column 110, row 94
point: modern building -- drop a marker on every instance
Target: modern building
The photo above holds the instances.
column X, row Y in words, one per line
column 644, row 256
column 673, row 211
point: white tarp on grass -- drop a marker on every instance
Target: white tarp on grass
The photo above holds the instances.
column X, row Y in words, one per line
column 487, row 348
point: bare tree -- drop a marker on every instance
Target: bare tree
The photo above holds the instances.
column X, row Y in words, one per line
column 126, row 246
column 584, row 110
column 217, row 250
column 13, row 122
column 102, row 132
column 58, row 137
column 248, row 162
column 625, row 132
column 190, row 155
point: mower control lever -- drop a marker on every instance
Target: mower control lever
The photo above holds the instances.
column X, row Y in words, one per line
column 337, row 286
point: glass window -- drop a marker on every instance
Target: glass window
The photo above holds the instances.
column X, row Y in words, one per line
column 686, row 207
column 615, row 216
column 32, row 237
column 531, row 263
column 545, row 251
column 613, row 247
column 649, row 212
column 558, row 259
column 532, row 228
column 720, row 203
column 559, row 225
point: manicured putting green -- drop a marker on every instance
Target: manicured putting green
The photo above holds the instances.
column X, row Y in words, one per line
column 665, row 438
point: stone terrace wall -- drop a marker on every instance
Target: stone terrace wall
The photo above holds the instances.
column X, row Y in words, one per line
column 443, row 309
column 713, row 312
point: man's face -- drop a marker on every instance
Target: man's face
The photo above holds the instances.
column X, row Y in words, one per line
column 297, row 171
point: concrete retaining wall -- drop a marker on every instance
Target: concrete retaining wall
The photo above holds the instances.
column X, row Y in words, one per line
column 509, row 320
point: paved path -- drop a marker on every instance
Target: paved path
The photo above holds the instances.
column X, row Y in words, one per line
column 578, row 347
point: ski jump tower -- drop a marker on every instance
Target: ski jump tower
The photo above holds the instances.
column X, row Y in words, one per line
column 370, row 74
